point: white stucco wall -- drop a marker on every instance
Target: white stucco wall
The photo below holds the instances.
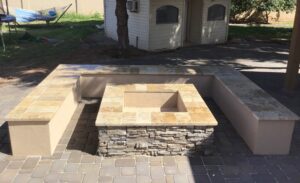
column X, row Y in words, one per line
column 110, row 20
column 138, row 23
column 165, row 36
column 215, row 31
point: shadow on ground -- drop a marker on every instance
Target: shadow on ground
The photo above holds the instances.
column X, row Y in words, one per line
column 4, row 140
column 84, row 134
column 29, row 62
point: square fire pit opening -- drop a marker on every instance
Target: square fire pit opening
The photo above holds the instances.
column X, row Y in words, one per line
column 153, row 119
column 153, row 102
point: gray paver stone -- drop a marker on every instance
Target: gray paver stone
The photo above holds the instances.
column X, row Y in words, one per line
column 52, row 177
column 171, row 170
column 30, row 163
column 15, row 165
column 91, row 177
column 75, row 157
column 72, row 167
column 125, row 179
column 127, row 171
column 58, row 165
column 8, row 175
column 125, row 162
column 20, row 178
column 110, row 171
column 143, row 179
column 108, row 162
column 169, row 161
column 181, row 178
column 71, row 177
column 40, row 171
column 105, row 179
column 157, row 171
column 143, row 169
column 3, row 165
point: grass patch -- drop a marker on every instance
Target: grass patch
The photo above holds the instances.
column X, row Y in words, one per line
column 69, row 31
column 73, row 17
column 260, row 32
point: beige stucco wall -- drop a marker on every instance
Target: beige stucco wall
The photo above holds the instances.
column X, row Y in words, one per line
column 41, row 137
column 81, row 6
column 29, row 138
column 89, row 89
column 262, row 137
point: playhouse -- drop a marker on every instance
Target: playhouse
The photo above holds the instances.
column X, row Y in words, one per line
column 169, row 24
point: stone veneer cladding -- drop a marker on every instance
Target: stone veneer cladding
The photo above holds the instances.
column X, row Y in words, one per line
column 154, row 140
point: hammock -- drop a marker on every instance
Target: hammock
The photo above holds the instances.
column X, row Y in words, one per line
column 47, row 15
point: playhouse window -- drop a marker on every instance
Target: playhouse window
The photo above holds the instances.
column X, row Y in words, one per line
column 167, row 14
column 216, row 12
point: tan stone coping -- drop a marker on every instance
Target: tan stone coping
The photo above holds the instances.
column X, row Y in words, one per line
column 46, row 99
column 190, row 108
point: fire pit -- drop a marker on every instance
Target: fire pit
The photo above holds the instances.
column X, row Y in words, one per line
column 153, row 119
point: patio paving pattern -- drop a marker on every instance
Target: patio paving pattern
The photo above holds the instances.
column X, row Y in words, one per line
column 75, row 159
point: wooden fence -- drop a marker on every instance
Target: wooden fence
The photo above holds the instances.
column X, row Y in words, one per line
column 79, row 6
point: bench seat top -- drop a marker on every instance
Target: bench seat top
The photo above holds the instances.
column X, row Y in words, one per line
column 46, row 99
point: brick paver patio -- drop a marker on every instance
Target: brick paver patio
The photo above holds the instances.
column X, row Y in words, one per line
column 75, row 161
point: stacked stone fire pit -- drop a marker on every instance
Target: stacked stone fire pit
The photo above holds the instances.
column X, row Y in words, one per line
column 153, row 119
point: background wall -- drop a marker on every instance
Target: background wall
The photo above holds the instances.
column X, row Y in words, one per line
column 79, row 6
column 284, row 17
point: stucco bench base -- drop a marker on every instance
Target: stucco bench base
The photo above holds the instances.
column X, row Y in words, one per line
column 40, row 137
column 266, row 132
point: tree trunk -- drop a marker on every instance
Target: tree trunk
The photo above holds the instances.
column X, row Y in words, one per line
column 122, row 24
column 267, row 17
column 291, row 79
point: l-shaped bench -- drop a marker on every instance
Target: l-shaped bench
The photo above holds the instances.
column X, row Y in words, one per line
column 38, row 122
